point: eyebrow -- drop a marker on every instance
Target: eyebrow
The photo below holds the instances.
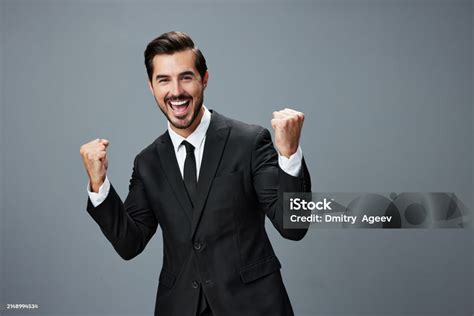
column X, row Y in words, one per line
column 184, row 73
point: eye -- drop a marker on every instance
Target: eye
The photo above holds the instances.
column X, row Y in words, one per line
column 163, row 80
column 187, row 78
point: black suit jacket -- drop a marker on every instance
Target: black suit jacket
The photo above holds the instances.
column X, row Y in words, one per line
column 220, row 246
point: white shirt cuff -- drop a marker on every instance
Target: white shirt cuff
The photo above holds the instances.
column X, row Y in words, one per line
column 291, row 165
column 99, row 197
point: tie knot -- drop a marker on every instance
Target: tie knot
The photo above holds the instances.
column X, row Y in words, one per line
column 189, row 147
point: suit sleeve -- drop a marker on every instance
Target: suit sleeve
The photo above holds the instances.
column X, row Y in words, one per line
column 127, row 225
column 270, row 182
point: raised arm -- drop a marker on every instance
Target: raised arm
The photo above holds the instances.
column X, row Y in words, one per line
column 127, row 225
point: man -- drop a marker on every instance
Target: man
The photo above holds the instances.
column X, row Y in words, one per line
column 208, row 181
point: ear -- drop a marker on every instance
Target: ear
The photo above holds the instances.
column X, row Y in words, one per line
column 205, row 79
column 150, row 86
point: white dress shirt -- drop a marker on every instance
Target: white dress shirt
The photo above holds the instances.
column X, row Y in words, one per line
column 291, row 165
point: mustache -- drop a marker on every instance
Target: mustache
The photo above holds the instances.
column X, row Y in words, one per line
column 177, row 98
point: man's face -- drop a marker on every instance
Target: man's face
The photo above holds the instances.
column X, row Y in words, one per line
column 178, row 90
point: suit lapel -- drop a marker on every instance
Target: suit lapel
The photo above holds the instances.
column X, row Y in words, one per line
column 216, row 138
column 170, row 168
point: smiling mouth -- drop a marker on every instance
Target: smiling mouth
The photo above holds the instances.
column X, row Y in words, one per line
column 179, row 107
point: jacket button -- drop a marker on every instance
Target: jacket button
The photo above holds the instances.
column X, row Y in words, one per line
column 195, row 284
column 197, row 246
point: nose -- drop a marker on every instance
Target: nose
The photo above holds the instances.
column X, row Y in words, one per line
column 176, row 88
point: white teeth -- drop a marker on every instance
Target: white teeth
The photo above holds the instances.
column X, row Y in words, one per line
column 177, row 103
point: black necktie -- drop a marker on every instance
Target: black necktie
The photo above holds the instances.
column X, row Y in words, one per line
column 190, row 174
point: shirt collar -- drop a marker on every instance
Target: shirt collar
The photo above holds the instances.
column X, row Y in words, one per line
column 196, row 138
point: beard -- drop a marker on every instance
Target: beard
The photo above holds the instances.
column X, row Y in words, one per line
column 179, row 123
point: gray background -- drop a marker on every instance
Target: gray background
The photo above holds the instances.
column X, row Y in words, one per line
column 386, row 87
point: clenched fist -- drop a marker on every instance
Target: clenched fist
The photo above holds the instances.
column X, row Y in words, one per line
column 287, row 125
column 94, row 156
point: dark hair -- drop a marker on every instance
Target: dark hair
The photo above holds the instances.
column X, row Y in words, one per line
column 169, row 43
